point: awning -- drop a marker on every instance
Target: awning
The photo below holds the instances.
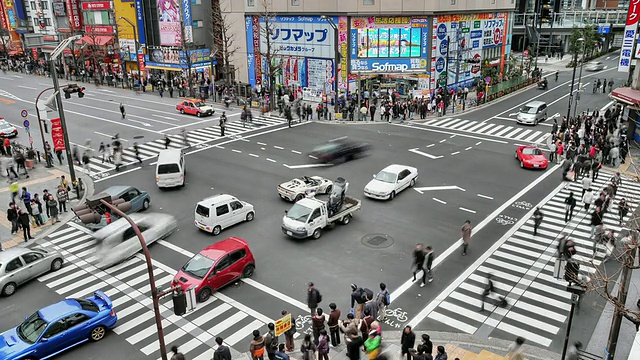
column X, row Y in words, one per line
column 95, row 40
column 627, row 95
column 162, row 68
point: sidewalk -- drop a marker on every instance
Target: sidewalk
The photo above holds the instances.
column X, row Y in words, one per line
column 40, row 178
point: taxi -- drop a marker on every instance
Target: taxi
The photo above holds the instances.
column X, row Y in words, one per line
column 194, row 107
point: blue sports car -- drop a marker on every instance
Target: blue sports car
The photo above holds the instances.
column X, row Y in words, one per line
column 59, row 327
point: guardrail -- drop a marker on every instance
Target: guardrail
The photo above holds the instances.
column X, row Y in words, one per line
column 507, row 87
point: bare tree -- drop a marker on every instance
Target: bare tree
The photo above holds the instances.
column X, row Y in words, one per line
column 96, row 53
column 223, row 39
column 273, row 62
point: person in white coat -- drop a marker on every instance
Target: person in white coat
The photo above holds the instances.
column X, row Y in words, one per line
column 587, row 199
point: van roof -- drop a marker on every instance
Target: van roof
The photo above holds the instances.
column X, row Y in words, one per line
column 535, row 103
column 215, row 199
column 169, row 156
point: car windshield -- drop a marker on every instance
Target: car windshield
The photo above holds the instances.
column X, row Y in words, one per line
column 325, row 148
column 199, row 104
column 387, row 177
column 88, row 305
column 198, row 266
column 531, row 151
column 595, row 63
column 299, row 212
column 31, row 329
column 528, row 110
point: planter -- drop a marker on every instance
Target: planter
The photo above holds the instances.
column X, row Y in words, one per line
column 28, row 163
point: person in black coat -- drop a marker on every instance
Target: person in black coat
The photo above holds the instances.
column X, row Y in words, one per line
column 25, row 221
column 407, row 341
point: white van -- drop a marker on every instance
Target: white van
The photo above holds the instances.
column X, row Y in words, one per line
column 221, row 211
column 170, row 168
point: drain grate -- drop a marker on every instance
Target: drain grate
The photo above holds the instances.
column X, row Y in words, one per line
column 377, row 241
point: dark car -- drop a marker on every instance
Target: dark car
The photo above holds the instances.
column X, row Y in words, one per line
column 342, row 149
column 6, row 129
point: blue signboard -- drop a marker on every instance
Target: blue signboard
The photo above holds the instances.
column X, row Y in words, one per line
column 248, row 24
column 389, row 65
column 140, row 22
column 604, row 29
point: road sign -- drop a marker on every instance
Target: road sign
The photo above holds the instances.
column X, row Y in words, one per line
column 26, row 128
column 25, row 123
column 283, row 324
column 24, row 113
column 487, row 80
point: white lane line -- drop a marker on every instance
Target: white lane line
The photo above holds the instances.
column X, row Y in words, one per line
column 452, row 136
column 296, row 152
column 261, row 143
column 454, row 247
column 443, row 140
column 467, row 210
column 254, row 155
column 313, row 157
column 449, row 133
column 271, row 160
column 175, row 248
column 218, row 146
column 276, row 294
column 236, row 151
column 469, row 148
column 431, row 145
column 455, row 153
column 27, row 87
column 109, row 136
column 485, row 197
column 440, row 201
column 116, row 174
column 278, row 147
column 478, row 143
column 263, row 149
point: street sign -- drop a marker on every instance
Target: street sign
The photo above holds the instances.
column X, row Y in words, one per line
column 487, row 80
column 24, row 113
column 25, row 123
column 283, row 324
column 26, row 128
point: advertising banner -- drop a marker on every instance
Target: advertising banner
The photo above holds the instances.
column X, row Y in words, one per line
column 10, row 14
column 283, row 324
column 248, row 27
column 96, row 5
column 3, row 19
column 169, row 22
column 141, row 61
column 188, row 21
column 140, row 22
column 624, row 64
column 389, row 43
column 464, row 37
column 73, row 12
column 176, row 59
column 256, row 48
column 343, row 40
column 127, row 49
column 302, row 36
column 57, row 135
column 99, row 29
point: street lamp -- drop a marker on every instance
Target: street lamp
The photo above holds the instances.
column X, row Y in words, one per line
column 584, row 50
column 336, row 60
column 573, row 79
column 56, row 88
column 135, row 46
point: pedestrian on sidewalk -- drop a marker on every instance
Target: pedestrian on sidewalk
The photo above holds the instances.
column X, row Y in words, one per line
column 36, row 199
column 25, row 222
column 570, row 204
column 12, row 216
column 317, row 325
column 372, row 345
column 466, row 236
column 604, row 86
column 35, row 213
column 102, row 150
column 425, row 339
column 26, row 199
column 256, row 348
column 10, row 169
column 59, row 155
column 288, row 335
column 333, row 323
column 65, row 183
column 280, row 354
column 7, row 146
column 85, row 163
column 323, row 345
column 372, row 305
column 62, row 196
column 14, row 188
column 307, row 348
column 537, row 220
column 271, row 341
column 383, row 299
column 358, row 298
column 176, row 354
column 407, row 341
column 418, row 263
column 222, row 352
column 515, row 350
column 313, row 298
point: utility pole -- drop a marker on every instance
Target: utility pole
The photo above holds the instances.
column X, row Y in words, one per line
column 573, row 79
column 538, row 22
column 623, row 289
column 135, row 46
column 584, row 50
column 446, row 79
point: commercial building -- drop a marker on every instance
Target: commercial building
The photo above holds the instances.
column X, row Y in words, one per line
column 413, row 44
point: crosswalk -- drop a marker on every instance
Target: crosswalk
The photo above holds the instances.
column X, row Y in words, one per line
column 523, row 134
column 522, row 269
column 195, row 138
column 128, row 286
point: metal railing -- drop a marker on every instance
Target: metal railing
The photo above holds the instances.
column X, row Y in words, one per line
column 506, row 85
column 580, row 18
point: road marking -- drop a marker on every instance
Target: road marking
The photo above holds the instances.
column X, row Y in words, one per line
column 478, row 143
column 112, row 121
column 428, row 146
column 489, row 219
column 254, row 155
column 191, row 124
column 296, row 152
column 261, row 143
column 116, row 174
column 421, row 190
column 276, row 293
column 306, row 166
column 443, row 140
column 452, row 136
column 175, row 248
column 416, row 151
column 469, row 148
column 166, row 117
column 109, row 136
column 27, row 87
column 236, row 151
column 263, row 149
column 485, row 197
column 449, row 132
column 268, row 159
column 278, row 147
column 467, row 210
column 440, row 201
column 455, row 153
column 313, row 157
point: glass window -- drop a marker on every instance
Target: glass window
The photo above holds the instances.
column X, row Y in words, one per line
column 130, row 194
column 33, row 5
column 47, row 21
column 88, row 305
column 75, row 319
column 168, row 169
column 44, row 5
column 251, row 2
column 236, row 256
column 202, row 211
column 32, row 257
column 224, row 263
column 295, row 2
column 55, row 329
column 31, row 328
column 198, row 266
column 222, row 209
column 236, row 205
column 368, row 2
column 315, row 215
column 14, row 265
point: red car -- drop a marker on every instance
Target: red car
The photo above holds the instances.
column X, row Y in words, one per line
column 531, row 157
column 194, row 107
column 216, row 266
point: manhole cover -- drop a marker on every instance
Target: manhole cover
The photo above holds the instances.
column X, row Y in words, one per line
column 377, row 241
column 138, row 137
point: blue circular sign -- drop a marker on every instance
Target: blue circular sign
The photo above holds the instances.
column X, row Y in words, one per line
column 26, row 123
column 443, row 47
column 440, row 65
column 441, row 32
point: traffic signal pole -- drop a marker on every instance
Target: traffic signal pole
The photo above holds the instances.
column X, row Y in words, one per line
column 67, row 144
column 48, row 155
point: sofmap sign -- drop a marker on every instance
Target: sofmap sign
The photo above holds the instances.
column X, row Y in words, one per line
column 140, row 21
column 624, row 65
column 304, row 36
column 388, row 65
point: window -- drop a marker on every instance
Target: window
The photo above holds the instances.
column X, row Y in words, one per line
column 36, row 22
column 368, row 2
column 236, row 256
column 47, row 21
column 295, row 2
column 251, row 3
column 236, row 205
column 14, row 265
column 44, row 5
column 222, row 209
column 224, row 263
column 198, row 23
column 453, row 2
column 130, row 194
column 168, row 169
column 88, row 305
column 493, row 1
column 196, row 2
column 75, row 319
column 315, row 215
column 33, row 5
column 54, row 329
column 202, row 211
column 32, row 257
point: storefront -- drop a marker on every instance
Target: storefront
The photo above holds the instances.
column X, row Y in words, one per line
column 174, row 60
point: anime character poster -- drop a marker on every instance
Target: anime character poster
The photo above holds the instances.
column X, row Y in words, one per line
column 169, row 22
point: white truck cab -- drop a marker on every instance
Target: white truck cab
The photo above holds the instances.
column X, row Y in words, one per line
column 309, row 216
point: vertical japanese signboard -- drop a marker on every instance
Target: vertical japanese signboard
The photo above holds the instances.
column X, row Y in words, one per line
column 57, row 135
column 256, row 49
column 188, row 21
column 140, row 21
column 629, row 36
column 73, row 12
column 248, row 24
column 343, row 40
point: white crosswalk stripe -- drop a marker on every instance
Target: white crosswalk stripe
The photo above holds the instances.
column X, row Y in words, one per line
column 151, row 149
column 128, row 286
column 522, row 270
column 487, row 128
column 4, row 93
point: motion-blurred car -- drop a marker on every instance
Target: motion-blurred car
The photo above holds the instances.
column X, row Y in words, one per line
column 594, row 66
column 6, row 129
column 19, row 265
column 390, row 181
column 341, row 149
column 531, row 157
column 298, row 188
column 216, row 266
column 195, row 107
column 118, row 242
column 59, row 327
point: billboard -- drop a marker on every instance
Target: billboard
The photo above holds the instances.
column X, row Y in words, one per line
column 57, row 135
column 176, row 59
column 188, row 21
column 389, row 43
column 142, row 39
column 73, row 12
column 127, row 49
column 457, row 44
column 169, row 22
column 624, row 64
column 302, row 36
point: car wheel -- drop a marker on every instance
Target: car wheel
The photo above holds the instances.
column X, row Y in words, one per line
column 392, row 195
column 56, row 264
column 515, row 154
column 328, row 189
column 521, row 164
column 182, row 111
column 204, row 295
column 199, row 114
column 250, row 216
column 535, row 122
column 412, row 183
column 248, row 271
column 98, row 333
column 216, row 230
column 299, row 197
column 316, row 234
column 9, row 289
column 145, row 204
column 346, row 219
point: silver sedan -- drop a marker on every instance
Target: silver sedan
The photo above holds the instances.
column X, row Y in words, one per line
column 19, row 265
column 118, row 242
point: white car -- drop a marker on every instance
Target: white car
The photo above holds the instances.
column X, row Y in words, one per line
column 220, row 212
column 390, row 181
column 117, row 241
column 594, row 66
column 298, row 188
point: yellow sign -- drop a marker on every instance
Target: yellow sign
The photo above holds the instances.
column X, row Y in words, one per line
column 283, row 324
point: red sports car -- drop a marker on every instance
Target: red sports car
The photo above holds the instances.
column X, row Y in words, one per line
column 531, row 157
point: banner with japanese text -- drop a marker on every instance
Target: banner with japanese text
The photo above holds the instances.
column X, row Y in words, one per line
column 57, row 135
column 629, row 36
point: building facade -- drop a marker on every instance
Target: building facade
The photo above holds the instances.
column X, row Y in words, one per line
column 426, row 43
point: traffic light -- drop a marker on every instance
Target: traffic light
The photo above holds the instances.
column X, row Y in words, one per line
column 546, row 11
column 92, row 211
column 71, row 89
